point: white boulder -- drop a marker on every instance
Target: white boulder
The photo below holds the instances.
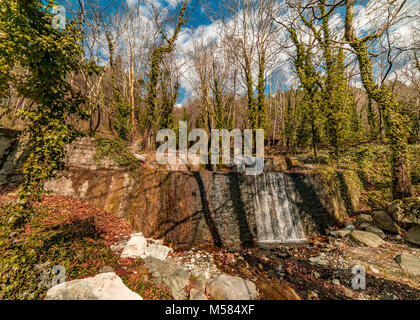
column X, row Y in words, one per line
column 104, row 286
column 135, row 247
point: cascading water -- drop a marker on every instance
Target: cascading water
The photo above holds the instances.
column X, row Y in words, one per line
column 276, row 214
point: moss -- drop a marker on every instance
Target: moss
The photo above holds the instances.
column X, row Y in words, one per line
column 115, row 149
column 343, row 189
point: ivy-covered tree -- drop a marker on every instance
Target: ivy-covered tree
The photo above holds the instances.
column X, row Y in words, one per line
column 310, row 81
column 396, row 128
column 30, row 39
column 158, row 54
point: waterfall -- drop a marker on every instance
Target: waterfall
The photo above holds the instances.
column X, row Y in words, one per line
column 276, row 214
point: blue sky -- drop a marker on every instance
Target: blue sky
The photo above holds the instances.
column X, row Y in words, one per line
column 284, row 75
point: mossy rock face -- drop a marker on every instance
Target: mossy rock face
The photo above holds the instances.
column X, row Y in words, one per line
column 343, row 188
column 406, row 213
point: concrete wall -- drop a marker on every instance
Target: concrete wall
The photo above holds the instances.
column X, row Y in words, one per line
column 192, row 207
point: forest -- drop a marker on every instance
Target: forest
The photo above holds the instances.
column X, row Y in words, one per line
column 335, row 84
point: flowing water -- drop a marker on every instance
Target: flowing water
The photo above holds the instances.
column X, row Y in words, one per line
column 276, row 214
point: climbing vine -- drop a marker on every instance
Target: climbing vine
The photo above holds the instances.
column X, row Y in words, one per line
column 47, row 54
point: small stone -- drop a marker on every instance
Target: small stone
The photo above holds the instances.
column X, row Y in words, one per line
column 199, row 279
column 363, row 218
column 336, row 282
column 363, row 238
column 106, row 269
column 312, row 294
column 197, row 295
column 225, row 287
column 385, row 222
column 135, row 247
column 364, row 225
column 172, row 276
column 318, row 261
column 349, row 226
column 157, row 251
column 409, row 263
column 139, row 157
column 376, row 230
column 340, row 233
column 413, row 235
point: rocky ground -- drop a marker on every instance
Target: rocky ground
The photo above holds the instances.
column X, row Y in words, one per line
column 323, row 268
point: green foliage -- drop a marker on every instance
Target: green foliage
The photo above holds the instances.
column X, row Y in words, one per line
column 115, row 149
column 76, row 246
column 120, row 121
column 30, row 41
column 151, row 119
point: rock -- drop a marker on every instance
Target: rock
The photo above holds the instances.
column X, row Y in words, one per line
column 363, row 238
column 170, row 275
column 364, row 225
column 406, row 212
column 363, row 218
column 135, row 247
column 385, row 222
column 318, row 260
column 157, row 251
column 336, row 282
column 349, row 226
column 409, row 263
column 376, row 230
column 199, row 279
column 413, row 235
column 197, row 295
column 340, row 233
column 106, row 269
column 312, row 294
column 139, row 157
column 225, row 287
column 104, row 286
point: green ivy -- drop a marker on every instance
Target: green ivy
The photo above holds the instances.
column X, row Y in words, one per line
column 115, row 149
column 47, row 54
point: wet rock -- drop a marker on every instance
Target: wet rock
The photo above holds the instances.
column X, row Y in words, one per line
column 363, row 218
column 197, row 295
column 135, row 247
column 340, row 233
column 385, row 222
column 413, row 235
column 225, row 287
column 363, row 238
column 104, row 286
column 375, row 230
column 409, row 263
column 172, row 276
